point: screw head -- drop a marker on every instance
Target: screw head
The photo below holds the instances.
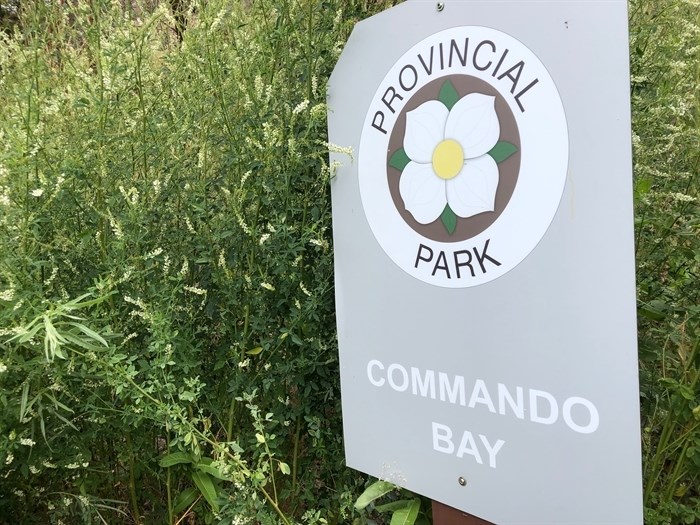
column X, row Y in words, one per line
column 440, row 6
column 462, row 481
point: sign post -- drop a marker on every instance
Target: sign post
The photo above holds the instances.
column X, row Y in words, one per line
column 484, row 258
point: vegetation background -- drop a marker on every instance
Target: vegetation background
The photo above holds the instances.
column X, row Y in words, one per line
column 167, row 338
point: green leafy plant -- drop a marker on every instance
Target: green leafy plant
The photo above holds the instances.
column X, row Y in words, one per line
column 403, row 506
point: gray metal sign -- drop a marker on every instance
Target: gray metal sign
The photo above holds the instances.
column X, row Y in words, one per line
column 484, row 257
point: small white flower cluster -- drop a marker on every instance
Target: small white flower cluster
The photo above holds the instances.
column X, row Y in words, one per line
column 38, row 192
column 154, row 253
column 682, row 197
column 9, row 459
column 190, row 228
column 3, row 367
column 116, row 227
column 335, row 148
column 131, row 196
column 263, row 238
column 27, row 442
column 138, row 302
column 242, row 224
column 196, row 290
column 321, row 243
column 52, row 277
column 267, row 286
column 7, row 295
column 217, row 21
column 304, row 289
column 300, row 107
column 5, row 196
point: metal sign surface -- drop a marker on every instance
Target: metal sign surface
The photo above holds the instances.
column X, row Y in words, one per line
column 484, row 257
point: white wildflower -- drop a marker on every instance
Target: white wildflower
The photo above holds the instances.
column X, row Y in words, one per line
column 267, row 286
column 33, row 469
column 7, row 295
column 304, row 289
column 27, row 442
column 190, row 228
column 37, row 192
column 300, row 107
column 9, row 459
column 263, row 238
column 196, row 290
column 682, row 197
column 3, row 367
column 154, row 253
column 50, row 279
column 321, row 243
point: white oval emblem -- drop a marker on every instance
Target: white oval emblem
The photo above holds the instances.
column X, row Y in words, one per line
column 463, row 157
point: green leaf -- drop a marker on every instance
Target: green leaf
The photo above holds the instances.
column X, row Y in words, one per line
column 449, row 219
column 183, row 500
column 399, row 159
column 406, row 515
column 448, row 94
column 176, row 458
column 212, row 471
column 392, row 506
column 284, row 468
column 374, row 491
column 90, row 333
column 255, row 351
column 207, row 488
column 502, row 150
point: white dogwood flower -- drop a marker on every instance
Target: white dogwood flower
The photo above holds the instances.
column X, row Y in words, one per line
column 449, row 162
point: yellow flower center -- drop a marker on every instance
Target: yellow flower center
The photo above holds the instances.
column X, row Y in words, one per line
column 448, row 159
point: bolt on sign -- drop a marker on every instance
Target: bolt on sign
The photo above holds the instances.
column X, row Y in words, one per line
column 482, row 216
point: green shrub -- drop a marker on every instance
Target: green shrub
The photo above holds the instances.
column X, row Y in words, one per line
column 665, row 48
column 166, row 277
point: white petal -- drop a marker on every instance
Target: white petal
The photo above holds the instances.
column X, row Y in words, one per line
column 474, row 124
column 423, row 193
column 473, row 191
column 425, row 129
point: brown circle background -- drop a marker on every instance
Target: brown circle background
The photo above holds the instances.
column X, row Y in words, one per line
column 507, row 170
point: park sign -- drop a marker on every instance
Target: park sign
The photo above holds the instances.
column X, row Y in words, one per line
column 484, row 257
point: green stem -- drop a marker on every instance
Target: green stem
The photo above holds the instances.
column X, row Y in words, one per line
column 167, row 481
column 274, row 506
column 132, row 482
column 229, row 422
column 295, row 457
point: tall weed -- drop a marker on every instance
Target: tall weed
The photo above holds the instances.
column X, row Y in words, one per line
column 665, row 48
column 166, row 279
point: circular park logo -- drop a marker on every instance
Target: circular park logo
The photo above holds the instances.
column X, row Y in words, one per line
column 463, row 157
